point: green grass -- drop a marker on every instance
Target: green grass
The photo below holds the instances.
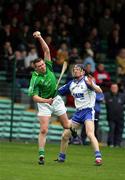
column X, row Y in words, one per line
column 18, row 161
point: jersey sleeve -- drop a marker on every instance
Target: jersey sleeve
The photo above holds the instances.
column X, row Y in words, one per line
column 49, row 64
column 33, row 88
column 99, row 97
column 65, row 89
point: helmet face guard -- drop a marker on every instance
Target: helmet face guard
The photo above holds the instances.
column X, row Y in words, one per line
column 80, row 66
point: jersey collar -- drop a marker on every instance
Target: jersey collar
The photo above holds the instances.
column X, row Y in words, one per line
column 41, row 74
column 77, row 81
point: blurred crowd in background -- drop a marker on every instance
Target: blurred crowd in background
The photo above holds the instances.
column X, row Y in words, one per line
column 86, row 31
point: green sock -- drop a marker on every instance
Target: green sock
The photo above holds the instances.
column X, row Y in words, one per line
column 41, row 152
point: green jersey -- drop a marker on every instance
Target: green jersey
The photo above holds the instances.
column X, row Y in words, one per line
column 43, row 85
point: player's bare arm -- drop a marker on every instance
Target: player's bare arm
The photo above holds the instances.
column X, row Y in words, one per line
column 45, row 48
column 96, row 88
column 38, row 99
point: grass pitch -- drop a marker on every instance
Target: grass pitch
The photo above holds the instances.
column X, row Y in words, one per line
column 18, row 161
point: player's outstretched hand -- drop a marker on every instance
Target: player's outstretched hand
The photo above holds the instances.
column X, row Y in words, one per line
column 89, row 81
column 36, row 34
column 49, row 101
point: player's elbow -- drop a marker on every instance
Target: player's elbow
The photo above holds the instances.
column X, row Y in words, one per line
column 47, row 51
column 47, row 54
column 34, row 98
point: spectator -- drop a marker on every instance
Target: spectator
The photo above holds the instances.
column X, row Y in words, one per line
column 31, row 56
column 94, row 39
column 88, row 69
column 29, row 70
column 53, row 50
column 102, row 77
column 14, row 25
column 6, row 57
column 15, row 10
column 74, row 58
column 20, row 71
column 115, row 101
column 87, row 45
column 37, row 26
column 7, row 35
column 62, row 55
column 50, row 32
column 24, row 37
column 80, row 31
column 113, row 43
column 105, row 24
column 121, row 66
column 89, row 59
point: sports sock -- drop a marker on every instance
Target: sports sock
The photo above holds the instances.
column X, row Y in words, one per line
column 62, row 156
column 41, row 152
column 98, row 155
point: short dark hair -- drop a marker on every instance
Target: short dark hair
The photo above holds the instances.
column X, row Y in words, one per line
column 37, row 60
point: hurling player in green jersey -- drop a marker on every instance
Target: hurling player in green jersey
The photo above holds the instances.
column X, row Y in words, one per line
column 42, row 89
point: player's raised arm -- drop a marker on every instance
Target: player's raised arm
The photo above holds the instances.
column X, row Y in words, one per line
column 91, row 83
column 45, row 48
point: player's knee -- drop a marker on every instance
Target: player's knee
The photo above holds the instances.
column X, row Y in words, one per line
column 89, row 134
column 67, row 125
column 44, row 131
column 65, row 136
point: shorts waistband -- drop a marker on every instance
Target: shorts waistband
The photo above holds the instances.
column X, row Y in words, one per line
column 79, row 109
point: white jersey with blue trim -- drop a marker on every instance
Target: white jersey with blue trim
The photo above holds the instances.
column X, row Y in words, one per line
column 84, row 95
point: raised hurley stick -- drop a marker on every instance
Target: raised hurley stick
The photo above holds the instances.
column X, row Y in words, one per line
column 61, row 75
column 62, row 72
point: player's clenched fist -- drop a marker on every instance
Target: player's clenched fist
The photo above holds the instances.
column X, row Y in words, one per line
column 36, row 34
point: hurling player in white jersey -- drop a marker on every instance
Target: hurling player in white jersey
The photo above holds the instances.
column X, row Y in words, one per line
column 84, row 90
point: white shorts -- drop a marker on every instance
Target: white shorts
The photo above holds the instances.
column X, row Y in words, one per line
column 57, row 108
